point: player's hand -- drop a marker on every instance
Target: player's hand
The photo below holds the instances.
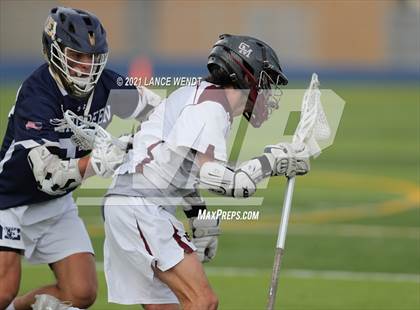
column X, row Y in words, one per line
column 290, row 159
column 126, row 141
column 107, row 157
column 53, row 175
column 205, row 237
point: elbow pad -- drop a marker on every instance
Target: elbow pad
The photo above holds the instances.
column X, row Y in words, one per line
column 53, row 175
column 239, row 183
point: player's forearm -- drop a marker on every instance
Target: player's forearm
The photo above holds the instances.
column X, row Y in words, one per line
column 280, row 159
column 240, row 182
column 195, row 203
column 85, row 168
column 82, row 163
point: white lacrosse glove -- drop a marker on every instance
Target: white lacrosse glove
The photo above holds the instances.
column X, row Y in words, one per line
column 53, row 175
column 205, row 237
column 290, row 159
column 107, row 155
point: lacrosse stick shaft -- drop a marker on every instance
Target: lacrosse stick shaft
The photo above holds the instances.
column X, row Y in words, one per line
column 281, row 238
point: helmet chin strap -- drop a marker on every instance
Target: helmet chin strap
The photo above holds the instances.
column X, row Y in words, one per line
column 252, row 95
column 58, row 78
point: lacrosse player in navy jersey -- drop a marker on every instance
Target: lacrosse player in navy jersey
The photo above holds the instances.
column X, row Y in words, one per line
column 40, row 165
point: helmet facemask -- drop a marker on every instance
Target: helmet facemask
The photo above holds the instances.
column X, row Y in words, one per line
column 269, row 92
column 80, row 83
column 264, row 95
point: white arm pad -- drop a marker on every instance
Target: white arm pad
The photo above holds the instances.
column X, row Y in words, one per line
column 241, row 183
column 149, row 101
column 53, row 175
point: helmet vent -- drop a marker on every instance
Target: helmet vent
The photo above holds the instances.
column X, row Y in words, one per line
column 87, row 21
column 71, row 28
column 62, row 17
column 54, row 10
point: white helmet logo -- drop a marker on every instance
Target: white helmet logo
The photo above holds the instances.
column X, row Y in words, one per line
column 244, row 49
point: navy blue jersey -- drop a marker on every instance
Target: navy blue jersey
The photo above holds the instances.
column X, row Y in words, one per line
column 31, row 123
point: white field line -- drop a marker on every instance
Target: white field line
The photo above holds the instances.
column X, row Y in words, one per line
column 356, row 276
column 320, row 274
column 337, row 230
column 356, row 231
column 298, row 273
column 213, row 201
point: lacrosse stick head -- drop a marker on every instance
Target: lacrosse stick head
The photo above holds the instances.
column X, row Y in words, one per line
column 85, row 133
column 313, row 125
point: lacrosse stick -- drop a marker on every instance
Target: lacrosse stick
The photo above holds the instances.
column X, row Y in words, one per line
column 88, row 135
column 105, row 158
column 312, row 126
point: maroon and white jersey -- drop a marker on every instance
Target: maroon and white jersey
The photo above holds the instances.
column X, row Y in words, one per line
column 161, row 166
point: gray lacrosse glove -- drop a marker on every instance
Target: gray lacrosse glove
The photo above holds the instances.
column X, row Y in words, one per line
column 290, row 159
column 205, row 237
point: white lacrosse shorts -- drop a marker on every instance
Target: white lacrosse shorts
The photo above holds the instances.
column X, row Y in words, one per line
column 47, row 232
column 139, row 235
